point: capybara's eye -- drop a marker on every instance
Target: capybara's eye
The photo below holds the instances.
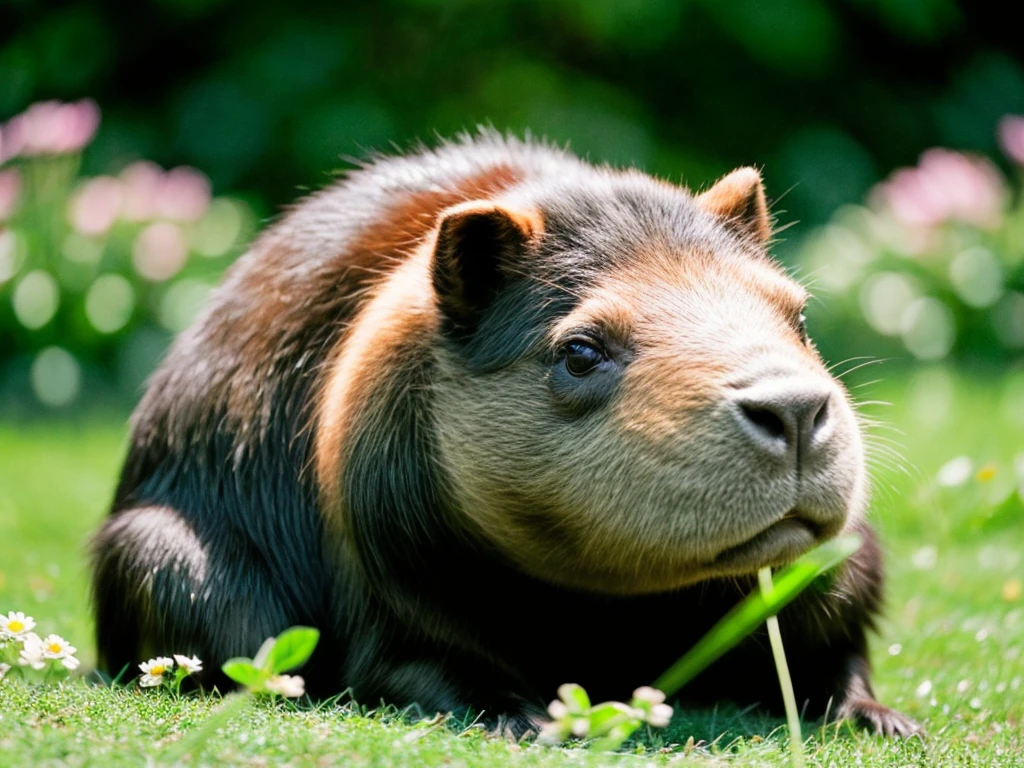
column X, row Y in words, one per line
column 802, row 327
column 581, row 358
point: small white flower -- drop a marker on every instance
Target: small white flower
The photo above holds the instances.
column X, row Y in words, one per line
column 56, row 647
column 660, row 715
column 580, row 727
column 651, row 695
column 291, row 686
column 557, row 710
column 189, row 665
column 154, row 671
column 955, row 472
column 16, row 625
column 70, row 663
column 32, row 652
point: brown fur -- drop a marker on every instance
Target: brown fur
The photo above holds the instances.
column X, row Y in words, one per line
column 374, row 429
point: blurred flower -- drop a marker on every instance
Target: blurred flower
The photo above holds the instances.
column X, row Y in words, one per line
column 986, row 473
column 142, row 182
column 190, row 665
column 96, row 206
column 650, row 695
column 650, row 706
column 10, row 182
column 1011, row 137
column 184, row 194
column 291, row 686
column 16, row 624
column 160, row 251
column 945, row 186
column 1012, row 590
column 955, row 472
column 4, row 669
column 153, row 671
column 50, row 128
column 32, row 652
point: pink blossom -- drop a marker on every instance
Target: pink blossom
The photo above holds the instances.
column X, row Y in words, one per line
column 143, row 182
column 1011, row 137
column 181, row 194
column 160, row 251
column 185, row 194
column 946, row 186
column 96, row 205
column 51, row 128
column 10, row 182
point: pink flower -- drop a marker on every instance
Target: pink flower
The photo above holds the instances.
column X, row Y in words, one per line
column 946, row 186
column 96, row 205
column 10, row 182
column 1011, row 137
column 143, row 182
column 51, row 128
column 160, row 251
column 185, row 194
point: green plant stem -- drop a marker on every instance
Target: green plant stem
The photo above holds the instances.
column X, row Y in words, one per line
column 752, row 611
column 796, row 739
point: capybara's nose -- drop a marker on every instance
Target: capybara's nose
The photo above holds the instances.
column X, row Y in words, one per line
column 784, row 416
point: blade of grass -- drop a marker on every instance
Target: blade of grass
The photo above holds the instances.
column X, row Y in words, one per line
column 796, row 739
column 753, row 610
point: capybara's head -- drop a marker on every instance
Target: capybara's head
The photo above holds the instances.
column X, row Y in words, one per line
column 624, row 397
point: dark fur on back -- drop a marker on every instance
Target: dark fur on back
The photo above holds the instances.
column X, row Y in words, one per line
column 217, row 538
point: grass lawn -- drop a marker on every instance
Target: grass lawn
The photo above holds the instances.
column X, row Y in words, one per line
column 950, row 652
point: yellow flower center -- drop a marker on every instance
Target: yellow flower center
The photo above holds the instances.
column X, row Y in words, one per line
column 15, row 626
column 157, row 670
column 54, row 648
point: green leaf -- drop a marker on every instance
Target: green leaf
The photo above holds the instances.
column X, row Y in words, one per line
column 244, row 672
column 575, row 697
column 616, row 737
column 752, row 612
column 610, row 714
column 260, row 659
column 293, row 648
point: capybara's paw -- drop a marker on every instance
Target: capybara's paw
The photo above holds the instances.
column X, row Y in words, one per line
column 880, row 718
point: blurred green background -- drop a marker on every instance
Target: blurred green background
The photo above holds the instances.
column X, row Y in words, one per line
column 268, row 100
column 265, row 97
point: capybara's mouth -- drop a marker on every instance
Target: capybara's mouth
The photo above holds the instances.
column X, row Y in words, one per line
column 780, row 543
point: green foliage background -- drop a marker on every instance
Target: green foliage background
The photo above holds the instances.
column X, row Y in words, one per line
column 266, row 96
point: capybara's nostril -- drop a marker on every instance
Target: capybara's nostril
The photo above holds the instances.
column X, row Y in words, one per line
column 777, row 419
column 764, row 419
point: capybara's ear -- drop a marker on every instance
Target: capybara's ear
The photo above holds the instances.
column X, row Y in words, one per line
column 477, row 246
column 738, row 198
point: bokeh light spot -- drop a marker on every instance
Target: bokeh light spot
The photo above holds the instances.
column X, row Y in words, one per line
column 109, row 303
column 56, row 377
column 36, row 299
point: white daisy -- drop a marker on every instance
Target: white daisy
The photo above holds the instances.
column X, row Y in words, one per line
column 56, row 647
column 189, row 665
column 70, row 663
column 291, row 686
column 16, row 625
column 153, row 671
column 32, row 651
column 651, row 695
column 660, row 715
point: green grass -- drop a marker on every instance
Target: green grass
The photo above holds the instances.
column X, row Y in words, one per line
column 950, row 651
